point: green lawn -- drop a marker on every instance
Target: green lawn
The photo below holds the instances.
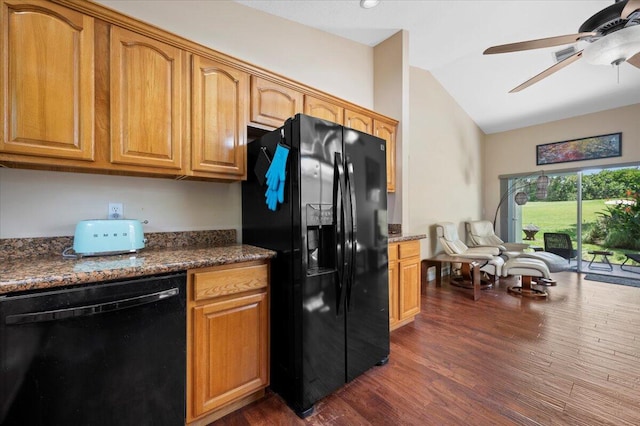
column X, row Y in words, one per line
column 560, row 216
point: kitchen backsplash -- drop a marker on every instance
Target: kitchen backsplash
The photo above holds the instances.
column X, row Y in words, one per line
column 191, row 238
column 18, row 248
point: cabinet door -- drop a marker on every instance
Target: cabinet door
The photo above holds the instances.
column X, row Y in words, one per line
column 146, row 101
column 46, row 83
column 272, row 103
column 387, row 131
column 355, row 120
column 393, row 293
column 409, row 288
column 219, row 118
column 230, row 346
column 322, row 109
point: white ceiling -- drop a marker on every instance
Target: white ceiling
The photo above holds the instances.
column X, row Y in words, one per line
column 447, row 38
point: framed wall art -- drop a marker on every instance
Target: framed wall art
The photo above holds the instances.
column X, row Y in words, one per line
column 603, row 146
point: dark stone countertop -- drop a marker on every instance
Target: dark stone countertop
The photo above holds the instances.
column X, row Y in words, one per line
column 398, row 238
column 165, row 253
column 40, row 273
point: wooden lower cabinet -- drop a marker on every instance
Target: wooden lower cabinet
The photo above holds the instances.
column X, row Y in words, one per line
column 227, row 339
column 394, row 278
column 404, row 283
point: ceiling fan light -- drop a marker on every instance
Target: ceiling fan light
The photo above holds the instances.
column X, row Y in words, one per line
column 614, row 48
column 368, row 4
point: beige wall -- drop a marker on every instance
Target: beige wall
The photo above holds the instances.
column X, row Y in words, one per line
column 514, row 151
column 324, row 61
column 47, row 204
column 50, row 203
column 391, row 94
column 444, row 161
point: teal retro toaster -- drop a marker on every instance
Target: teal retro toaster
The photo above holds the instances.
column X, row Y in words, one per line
column 102, row 237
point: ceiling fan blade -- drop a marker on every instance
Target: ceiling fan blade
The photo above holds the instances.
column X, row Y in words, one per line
column 635, row 60
column 537, row 44
column 632, row 6
column 546, row 73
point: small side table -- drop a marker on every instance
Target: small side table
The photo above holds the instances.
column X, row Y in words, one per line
column 530, row 234
column 437, row 261
column 604, row 255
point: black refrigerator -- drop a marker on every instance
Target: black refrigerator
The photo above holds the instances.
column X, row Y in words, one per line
column 329, row 280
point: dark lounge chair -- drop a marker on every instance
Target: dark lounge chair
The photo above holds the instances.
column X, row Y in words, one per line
column 636, row 258
column 560, row 244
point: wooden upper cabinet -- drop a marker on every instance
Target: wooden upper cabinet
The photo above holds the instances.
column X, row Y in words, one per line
column 146, row 101
column 46, row 81
column 219, row 119
column 322, row 109
column 404, row 282
column 387, row 131
column 358, row 121
column 85, row 88
column 272, row 103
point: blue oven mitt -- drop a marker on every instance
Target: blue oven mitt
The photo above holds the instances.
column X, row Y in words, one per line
column 276, row 176
column 272, row 199
column 276, row 170
column 275, row 196
column 280, row 191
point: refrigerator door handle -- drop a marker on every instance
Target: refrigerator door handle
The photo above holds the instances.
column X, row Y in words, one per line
column 339, row 195
column 353, row 230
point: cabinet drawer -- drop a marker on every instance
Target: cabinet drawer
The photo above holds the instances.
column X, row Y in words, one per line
column 409, row 249
column 393, row 251
column 228, row 281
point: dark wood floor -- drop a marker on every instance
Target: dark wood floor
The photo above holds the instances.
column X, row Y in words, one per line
column 572, row 359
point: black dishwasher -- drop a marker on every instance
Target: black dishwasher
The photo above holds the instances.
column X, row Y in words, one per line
column 106, row 354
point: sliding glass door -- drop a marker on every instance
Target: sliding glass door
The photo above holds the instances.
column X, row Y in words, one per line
column 551, row 224
column 595, row 211
column 611, row 228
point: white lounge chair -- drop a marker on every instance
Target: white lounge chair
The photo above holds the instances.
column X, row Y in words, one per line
column 480, row 233
column 447, row 233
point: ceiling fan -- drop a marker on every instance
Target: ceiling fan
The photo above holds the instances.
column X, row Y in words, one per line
column 613, row 37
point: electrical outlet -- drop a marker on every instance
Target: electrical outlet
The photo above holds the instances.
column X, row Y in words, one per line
column 116, row 211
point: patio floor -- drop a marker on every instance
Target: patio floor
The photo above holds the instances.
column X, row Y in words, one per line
column 616, row 269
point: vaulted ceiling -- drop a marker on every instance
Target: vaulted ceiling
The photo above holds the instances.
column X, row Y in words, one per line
column 447, row 38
